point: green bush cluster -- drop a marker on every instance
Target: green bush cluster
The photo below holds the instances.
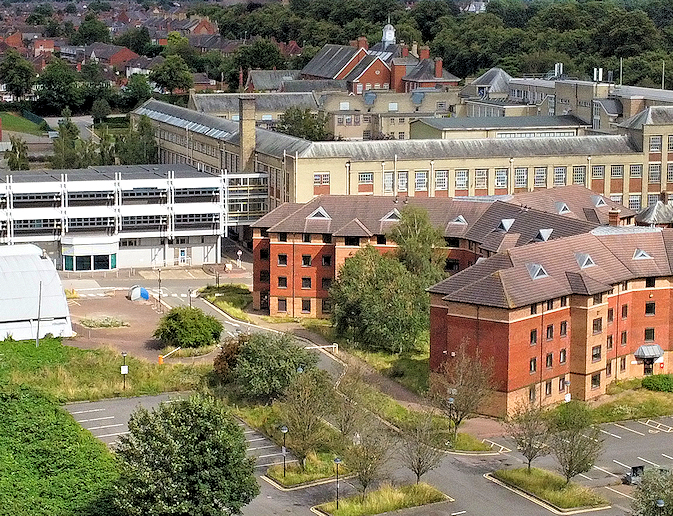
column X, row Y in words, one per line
column 659, row 382
column 188, row 327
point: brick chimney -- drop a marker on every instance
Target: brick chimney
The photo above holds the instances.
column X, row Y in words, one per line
column 405, row 51
column 246, row 133
column 613, row 216
column 414, row 49
column 397, row 71
column 424, row 52
column 439, row 71
column 362, row 43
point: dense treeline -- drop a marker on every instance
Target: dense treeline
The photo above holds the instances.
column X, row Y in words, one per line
column 521, row 37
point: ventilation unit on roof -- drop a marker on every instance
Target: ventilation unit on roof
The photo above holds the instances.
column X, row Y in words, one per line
column 561, row 208
column 536, row 271
column 320, row 213
column 459, row 220
column 543, row 235
column 598, row 201
column 584, row 260
column 505, row 224
column 639, row 254
column 393, row 216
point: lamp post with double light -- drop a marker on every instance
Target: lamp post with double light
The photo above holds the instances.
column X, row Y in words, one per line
column 337, row 461
column 283, row 429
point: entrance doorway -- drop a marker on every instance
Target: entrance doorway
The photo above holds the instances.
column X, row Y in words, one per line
column 648, row 366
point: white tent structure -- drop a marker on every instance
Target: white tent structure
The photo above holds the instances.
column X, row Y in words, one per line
column 29, row 284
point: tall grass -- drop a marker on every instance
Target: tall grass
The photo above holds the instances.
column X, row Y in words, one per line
column 385, row 499
column 317, row 467
column 635, row 405
column 551, row 487
column 230, row 298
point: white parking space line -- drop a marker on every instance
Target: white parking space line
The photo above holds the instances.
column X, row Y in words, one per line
column 613, row 435
column 458, row 513
column 619, row 493
column 629, row 429
column 183, row 295
column 94, row 419
column 104, row 426
column 88, row 411
column 621, row 464
column 230, row 334
column 584, row 476
column 667, row 456
column 270, row 455
column 648, row 461
column 607, row 472
column 262, row 447
column 250, row 431
column 273, row 463
column 112, row 435
column 256, row 439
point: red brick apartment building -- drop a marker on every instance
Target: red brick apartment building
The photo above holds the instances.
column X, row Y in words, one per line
column 299, row 248
column 564, row 316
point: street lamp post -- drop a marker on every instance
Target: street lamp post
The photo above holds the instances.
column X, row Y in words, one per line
column 337, row 461
column 660, row 504
column 284, row 430
column 125, row 368
column 160, row 310
column 190, row 297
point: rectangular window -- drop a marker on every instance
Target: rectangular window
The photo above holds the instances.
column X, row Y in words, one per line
column 655, row 143
column 598, row 172
column 461, row 179
column 652, row 199
column 598, row 299
column 352, row 241
column 282, row 259
column 670, row 143
column 649, row 308
column 579, row 175
column 306, row 238
column 618, row 198
column 531, row 394
column 326, row 260
column 550, row 332
column 564, row 300
column 520, row 177
column 381, row 240
column 595, row 380
column 559, row 176
column 654, row 175
column 634, row 202
column 326, row 238
column 562, row 356
column 264, row 254
column 595, row 353
column 650, row 282
column 617, row 171
column 611, row 315
column 441, row 180
column 561, row 383
column 608, row 368
column 326, row 306
column 533, row 337
column 344, row 106
column 305, row 260
column 317, row 179
column 402, row 181
column 421, row 183
column 366, row 135
column 306, row 283
column 481, row 178
column 282, row 304
column 282, row 281
column 549, row 361
column 366, row 178
column 550, row 304
column 306, row 306
column 282, row 237
column 563, row 328
column 392, row 106
column 622, row 364
column 501, row 178
column 533, row 309
column 533, row 365
column 326, row 283
column 547, row 388
column 388, row 182
column 636, row 171
column 609, row 342
column 623, row 338
column 540, row 178
column 598, row 325
column 625, row 311
column 649, row 334
column 669, row 173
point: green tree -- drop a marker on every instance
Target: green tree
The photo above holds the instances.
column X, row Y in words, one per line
column 187, row 457
column 304, row 124
column 416, row 454
column 369, row 453
column 100, row 109
column 574, row 439
column 106, row 148
column 306, row 401
column 136, row 39
column 138, row 146
column 379, row 303
column 17, row 73
column 91, row 30
column 17, row 156
column 262, row 54
column 188, row 327
column 529, row 430
column 419, row 244
column 267, row 364
column 138, row 90
column 70, row 9
column 58, row 88
column 656, row 484
column 65, row 153
column 172, row 74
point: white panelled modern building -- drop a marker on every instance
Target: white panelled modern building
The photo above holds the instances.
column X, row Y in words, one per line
column 104, row 218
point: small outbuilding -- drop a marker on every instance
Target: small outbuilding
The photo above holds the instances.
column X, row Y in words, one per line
column 30, row 288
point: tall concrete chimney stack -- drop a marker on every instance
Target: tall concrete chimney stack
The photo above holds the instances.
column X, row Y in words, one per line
column 246, row 133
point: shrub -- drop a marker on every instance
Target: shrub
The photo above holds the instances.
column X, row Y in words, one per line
column 225, row 361
column 188, row 327
column 659, row 382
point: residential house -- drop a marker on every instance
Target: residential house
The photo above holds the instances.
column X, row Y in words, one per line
column 112, row 55
column 268, row 81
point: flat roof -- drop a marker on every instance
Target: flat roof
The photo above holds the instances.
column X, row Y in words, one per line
column 498, row 122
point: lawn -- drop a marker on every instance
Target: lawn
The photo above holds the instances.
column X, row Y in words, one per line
column 14, row 122
column 72, row 374
column 385, row 499
column 550, row 487
column 49, row 465
column 318, row 467
column 230, row 298
column 634, row 404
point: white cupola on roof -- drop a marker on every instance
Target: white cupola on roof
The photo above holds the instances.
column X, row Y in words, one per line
column 388, row 35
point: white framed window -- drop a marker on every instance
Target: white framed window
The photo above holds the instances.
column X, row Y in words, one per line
column 540, row 177
column 368, row 86
column 421, row 181
column 400, row 135
column 388, row 182
column 392, row 106
column 402, row 181
column 441, row 180
column 560, row 176
column 669, row 173
column 579, row 175
column 634, row 202
column 366, row 178
column 654, row 173
column 617, row 198
column 655, row 143
column 317, row 179
column 520, row 177
column 481, row 178
column 617, row 171
column 461, row 179
column 340, row 120
column 344, row 106
column 598, row 172
column 652, row 199
column 501, row 177
column 636, row 170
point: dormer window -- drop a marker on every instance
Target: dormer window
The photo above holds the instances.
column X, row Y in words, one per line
column 639, row 254
column 584, row 260
column 543, row 235
column 561, row 208
column 320, row 213
column 598, row 201
column 536, row 271
column 393, row 216
column 505, row 224
column 459, row 220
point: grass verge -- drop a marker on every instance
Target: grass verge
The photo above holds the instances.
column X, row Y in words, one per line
column 550, row 487
column 188, row 352
column 635, row 404
column 71, row 374
column 104, row 322
column 48, row 463
column 230, row 298
column 319, row 466
column 385, row 499
column 13, row 122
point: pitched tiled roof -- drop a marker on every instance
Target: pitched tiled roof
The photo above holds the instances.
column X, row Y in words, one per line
column 361, row 67
column 264, row 80
column 308, row 85
column 425, row 72
column 504, row 122
column 228, row 102
column 654, row 115
column 329, row 61
column 497, row 78
column 658, row 213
